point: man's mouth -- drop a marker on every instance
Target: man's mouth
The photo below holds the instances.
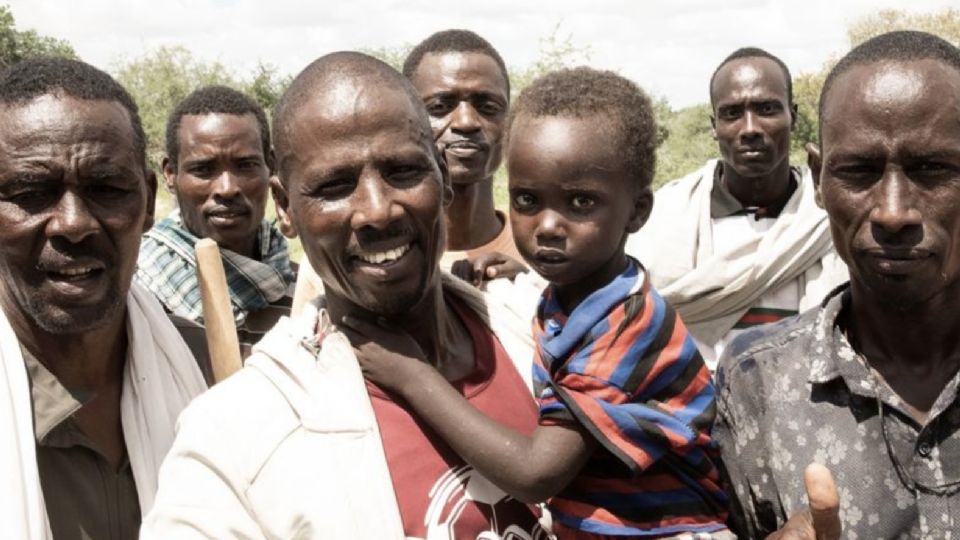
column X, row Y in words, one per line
column 73, row 272
column 227, row 216
column 383, row 257
column 752, row 152
column 465, row 148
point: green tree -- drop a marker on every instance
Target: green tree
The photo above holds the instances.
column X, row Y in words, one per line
column 15, row 45
column 159, row 80
column 266, row 86
column 688, row 144
column 556, row 52
column 806, row 86
column 393, row 56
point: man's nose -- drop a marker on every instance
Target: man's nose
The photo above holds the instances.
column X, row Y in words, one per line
column 374, row 204
column 72, row 219
column 894, row 208
column 227, row 185
column 751, row 125
column 465, row 118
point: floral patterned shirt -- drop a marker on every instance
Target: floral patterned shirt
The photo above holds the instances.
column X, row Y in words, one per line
column 796, row 392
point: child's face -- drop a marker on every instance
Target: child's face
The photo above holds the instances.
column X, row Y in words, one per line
column 572, row 200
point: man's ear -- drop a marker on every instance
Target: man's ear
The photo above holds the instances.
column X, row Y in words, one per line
column 271, row 159
column 713, row 127
column 793, row 116
column 447, row 185
column 815, row 162
column 642, row 206
column 169, row 174
column 282, row 201
column 151, row 179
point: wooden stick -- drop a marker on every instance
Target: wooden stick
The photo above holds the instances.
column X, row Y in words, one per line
column 218, row 319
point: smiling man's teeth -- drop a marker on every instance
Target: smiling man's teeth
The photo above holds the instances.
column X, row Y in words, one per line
column 381, row 257
column 75, row 271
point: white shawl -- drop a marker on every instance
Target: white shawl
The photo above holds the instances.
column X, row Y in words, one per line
column 712, row 291
column 160, row 378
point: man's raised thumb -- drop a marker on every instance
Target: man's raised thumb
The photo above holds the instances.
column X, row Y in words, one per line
column 824, row 501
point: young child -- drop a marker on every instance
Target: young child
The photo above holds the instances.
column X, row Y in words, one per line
column 626, row 402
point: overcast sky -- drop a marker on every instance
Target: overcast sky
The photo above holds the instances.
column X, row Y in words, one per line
column 668, row 47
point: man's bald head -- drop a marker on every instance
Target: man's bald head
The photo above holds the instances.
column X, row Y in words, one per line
column 897, row 46
column 339, row 79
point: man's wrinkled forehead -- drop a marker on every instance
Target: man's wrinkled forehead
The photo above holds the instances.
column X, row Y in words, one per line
column 368, row 104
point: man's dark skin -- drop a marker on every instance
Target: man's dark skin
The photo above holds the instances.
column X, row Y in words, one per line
column 378, row 185
column 888, row 175
column 752, row 120
column 75, row 196
column 466, row 96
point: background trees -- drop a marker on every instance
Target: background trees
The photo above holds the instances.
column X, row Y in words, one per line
column 162, row 77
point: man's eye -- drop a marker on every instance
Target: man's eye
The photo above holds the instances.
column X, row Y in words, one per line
column 438, row 108
column 404, row 174
column 489, row 108
column 767, row 109
column 31, row 198
column 331, row 189
column 200, row 171
column 729, row 114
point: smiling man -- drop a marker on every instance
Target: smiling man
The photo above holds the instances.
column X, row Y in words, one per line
column 219, row 164
column 741, row 242
column 867, row 383
column 323, row 453
column 93, row 374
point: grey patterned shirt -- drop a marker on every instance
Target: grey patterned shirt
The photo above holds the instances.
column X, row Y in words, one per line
column 794, row 393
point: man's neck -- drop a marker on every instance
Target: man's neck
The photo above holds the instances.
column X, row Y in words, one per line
column 915, row 350
column 87, row 361
column 432, row 323
column 475, row 221
column 762, row 191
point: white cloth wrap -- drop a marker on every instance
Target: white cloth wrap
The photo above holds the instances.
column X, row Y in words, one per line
column 712, row 291
column 159, row 379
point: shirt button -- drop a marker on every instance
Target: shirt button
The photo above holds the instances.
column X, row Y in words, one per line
column 924, row 449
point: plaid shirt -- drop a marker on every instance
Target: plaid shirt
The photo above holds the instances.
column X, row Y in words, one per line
column 167, row 266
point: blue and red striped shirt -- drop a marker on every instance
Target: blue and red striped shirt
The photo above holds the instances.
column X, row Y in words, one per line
column 623, row 366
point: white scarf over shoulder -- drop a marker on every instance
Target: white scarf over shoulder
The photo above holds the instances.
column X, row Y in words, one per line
column 711, row 290
column 160, row 378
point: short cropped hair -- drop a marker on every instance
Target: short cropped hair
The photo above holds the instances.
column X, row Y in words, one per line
column 214, row 100
column 453, row 41
column 754, row 52
column 342, row 65
column 34, row 77
column 584, row 92
column 901, row 45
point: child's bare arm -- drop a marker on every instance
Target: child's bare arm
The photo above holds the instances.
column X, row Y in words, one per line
column 530, row 469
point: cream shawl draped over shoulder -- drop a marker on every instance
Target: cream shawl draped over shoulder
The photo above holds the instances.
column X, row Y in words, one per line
column 160, row 378
column 712, row 290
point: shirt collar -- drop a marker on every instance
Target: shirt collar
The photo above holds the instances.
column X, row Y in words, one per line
column 724, row 204
column 834, row 358
column 53, row 404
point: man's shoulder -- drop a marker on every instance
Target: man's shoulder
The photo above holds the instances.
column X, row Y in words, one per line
column 684, row 183
column 772, row 348
column 241, row 420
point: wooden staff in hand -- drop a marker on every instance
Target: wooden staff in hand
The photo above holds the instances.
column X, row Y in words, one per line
column 221, row 329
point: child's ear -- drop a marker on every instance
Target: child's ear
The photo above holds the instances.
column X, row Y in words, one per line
column 642, row 206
